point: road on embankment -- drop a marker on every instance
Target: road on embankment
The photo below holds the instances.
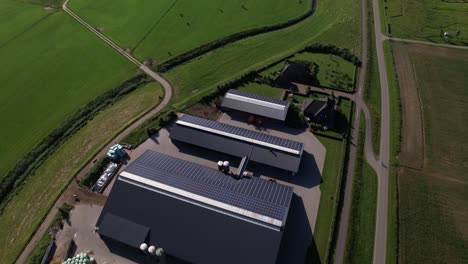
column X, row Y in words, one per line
column 43, row 228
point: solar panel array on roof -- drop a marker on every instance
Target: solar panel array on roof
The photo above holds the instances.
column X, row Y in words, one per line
column 277, row 141
column 256, row 195
column 259, row 97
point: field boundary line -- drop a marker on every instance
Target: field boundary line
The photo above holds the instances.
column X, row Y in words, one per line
column 414, row 41
column 155, row 24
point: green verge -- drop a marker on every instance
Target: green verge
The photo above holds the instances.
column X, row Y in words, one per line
column 31, row 204
column 330, row 187
column 395, row 141
column 372, row 82
column 361, row 227
column 41, row 247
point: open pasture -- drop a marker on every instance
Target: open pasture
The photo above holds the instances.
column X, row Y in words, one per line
column 50, row 71
column 17, row 17
column 166, row 28
column 433, row 183
column 426, row 19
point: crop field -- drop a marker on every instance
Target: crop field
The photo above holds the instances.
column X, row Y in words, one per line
column 333, row 71
column 165, row 28
column 425, row 19
column 24, row 213
column 433, row 183
column 48, row 75
column 335, row 22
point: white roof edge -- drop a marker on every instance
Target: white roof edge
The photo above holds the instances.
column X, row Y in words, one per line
column 202, row 199
column 222, row 133
column 255, row 101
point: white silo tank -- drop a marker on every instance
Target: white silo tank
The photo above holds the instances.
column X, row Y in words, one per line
column 220, row 165
column 152, row 250
column 143, row 247
column 226, row 166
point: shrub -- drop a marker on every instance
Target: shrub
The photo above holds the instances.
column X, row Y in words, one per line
column 93, row 175
column 346, row 54
column 295, row 118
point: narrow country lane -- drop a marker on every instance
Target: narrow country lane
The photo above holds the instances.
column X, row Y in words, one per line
column 43, row 228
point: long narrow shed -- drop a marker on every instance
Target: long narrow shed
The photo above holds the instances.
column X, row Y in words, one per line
column 256, row 104
column 195, row 213
column 239, row 142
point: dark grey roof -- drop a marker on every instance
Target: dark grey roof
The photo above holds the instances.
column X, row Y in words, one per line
column 256, row 104
column 192, row 231
column 253, row 194
column 314, row 106
column 281, row 142
column 260, row 147
column 123, row 230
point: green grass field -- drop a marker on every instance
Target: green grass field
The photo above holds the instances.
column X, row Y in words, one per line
column 335, row 22
column 32, row 203
column 361, row 226
column 166, row 28
column 433, row 200
column 262, row 89
column 48, row 75
column 425, row 19
column 333, row 71
column 16, row 18
column 329, row 188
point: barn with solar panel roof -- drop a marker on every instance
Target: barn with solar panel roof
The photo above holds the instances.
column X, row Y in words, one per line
column 196, row 214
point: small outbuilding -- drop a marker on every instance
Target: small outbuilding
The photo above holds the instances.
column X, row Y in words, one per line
column 196, row 214
column 239, row 142
column 321, row 111
column 269, row 107
column 293, row 72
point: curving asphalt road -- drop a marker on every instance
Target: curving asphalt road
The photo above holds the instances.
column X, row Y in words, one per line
column 167, row 96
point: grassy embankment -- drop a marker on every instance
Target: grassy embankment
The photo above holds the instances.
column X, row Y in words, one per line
column 30, row 205
column 335, row 22
column 330, row 187
column 425, row 20
column 395, row 141
column 372, row 95
column 433, row 199
column 43, row 84
column 164, row 29
column 361, row 226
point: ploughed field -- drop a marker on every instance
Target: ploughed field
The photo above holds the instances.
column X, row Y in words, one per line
column 433, row 193
column 51, row 66
column 165, row 28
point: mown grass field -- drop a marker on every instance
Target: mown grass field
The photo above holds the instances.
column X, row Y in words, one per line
column 335, row 22
column 361, row 226
column 425, row 19
column 47, row 75
column 329, row 188
column 30, row 205
column 433, row 199
column 333, row 70
column 163, row 29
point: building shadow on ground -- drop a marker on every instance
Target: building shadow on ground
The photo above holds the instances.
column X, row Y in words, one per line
column 297, row 245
